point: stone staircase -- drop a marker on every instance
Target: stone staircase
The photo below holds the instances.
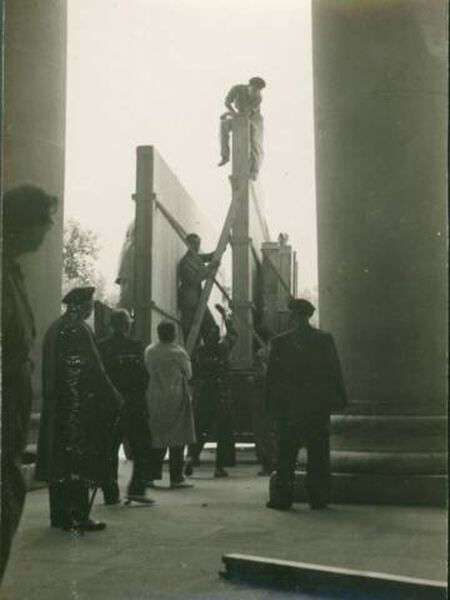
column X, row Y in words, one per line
column 386, row 460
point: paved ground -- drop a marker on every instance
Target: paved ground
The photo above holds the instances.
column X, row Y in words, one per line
column 173, row 550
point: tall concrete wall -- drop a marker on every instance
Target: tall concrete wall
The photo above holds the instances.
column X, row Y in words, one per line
column 33, row 136
column 380, row 85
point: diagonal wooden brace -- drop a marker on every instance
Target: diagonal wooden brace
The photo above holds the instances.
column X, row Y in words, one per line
column 214, row 265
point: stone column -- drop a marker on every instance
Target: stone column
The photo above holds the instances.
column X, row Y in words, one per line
column 380, row 106
column 33, row 136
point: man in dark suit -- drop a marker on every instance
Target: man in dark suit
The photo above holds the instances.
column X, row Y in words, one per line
column 123, row 359
column 305, row 385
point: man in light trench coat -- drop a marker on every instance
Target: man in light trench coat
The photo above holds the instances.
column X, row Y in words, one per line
column 169, row 404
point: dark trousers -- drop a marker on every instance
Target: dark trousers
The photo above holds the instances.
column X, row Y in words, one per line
column 264, row 432
column 15, row 414
column 69, row 502
column 312, row 433
column 256, row 141
column 187, row 320
column 176, row 462
column 134, row 428
column 214, row 422
column 12, row 501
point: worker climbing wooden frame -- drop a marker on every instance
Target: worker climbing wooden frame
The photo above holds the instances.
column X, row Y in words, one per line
column 182, row 234
column 214, row 266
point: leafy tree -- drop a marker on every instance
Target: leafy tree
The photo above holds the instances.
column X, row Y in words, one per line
column 80, row 252
column 81, row 247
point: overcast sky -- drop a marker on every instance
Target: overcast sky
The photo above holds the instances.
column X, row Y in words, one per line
column 155, row 72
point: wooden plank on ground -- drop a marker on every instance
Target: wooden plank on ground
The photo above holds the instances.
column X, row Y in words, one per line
column 333, row 582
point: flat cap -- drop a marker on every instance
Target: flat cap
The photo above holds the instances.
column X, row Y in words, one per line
column 79, row 295
column 258, row 82
column 300, row 306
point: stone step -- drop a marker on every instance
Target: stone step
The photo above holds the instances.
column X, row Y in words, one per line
column 372, row 488
column 397, row 408
column 388, row 433
column 414, row 463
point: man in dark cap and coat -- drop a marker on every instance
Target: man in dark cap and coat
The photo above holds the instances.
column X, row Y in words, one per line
column 123, row 359
column 79, row 404
column 27, row 216
column 305, row 385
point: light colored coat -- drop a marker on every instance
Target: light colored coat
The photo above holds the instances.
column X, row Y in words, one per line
column 169, row 404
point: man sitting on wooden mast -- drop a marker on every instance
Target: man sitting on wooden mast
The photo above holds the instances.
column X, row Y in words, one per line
column 244, row 99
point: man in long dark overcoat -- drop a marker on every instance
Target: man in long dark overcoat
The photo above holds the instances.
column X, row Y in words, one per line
column 305, row 385
column 27, row 216
column 79, row 405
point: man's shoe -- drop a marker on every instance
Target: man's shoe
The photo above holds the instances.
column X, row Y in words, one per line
column 75, row 527
column 189, row 469
column 220, row 473
column 141, row 498
column 91, row 525
column 277, row 506
column 111, row 501
column 264, row 473
column 223, row 161
column 176, row 485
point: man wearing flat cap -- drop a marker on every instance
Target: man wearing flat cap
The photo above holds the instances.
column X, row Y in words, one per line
column 244, row 99
column 305, row 385
column 79, row 403
column 27, row 216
